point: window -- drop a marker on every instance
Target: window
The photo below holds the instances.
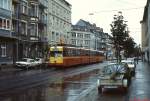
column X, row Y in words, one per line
column 3, row 48
column 23, row 28
column 81, row 35
column 78, row 35
column 87, row 42
column 5, row 4
column 78, row 42
column 8, row 24
column 73, row 42
column 34, row 10
column 73, row 34
column 1, row 3
column 4, row 24
column 24, row 7
column 87, row 36
column 53, row 36
column 33, row 29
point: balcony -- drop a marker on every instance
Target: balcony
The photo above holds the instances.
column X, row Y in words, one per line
column 5, row 33
column 43, row 3
column 5, row 13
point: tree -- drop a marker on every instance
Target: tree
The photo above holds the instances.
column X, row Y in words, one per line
column 119, row 34
column 129, row 47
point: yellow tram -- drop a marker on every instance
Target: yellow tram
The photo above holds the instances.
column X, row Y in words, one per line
column 65, row 56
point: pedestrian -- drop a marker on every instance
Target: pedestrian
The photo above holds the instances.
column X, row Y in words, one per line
column 137, row 59
column 148, row 56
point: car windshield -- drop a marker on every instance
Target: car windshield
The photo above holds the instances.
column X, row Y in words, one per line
column 114, row 68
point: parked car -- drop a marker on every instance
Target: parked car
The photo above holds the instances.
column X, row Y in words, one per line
column 131, row 64
column 39, row 61
column 114, row 76
column 26, row 63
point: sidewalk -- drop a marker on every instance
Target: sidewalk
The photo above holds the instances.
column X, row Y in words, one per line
column 140, row 86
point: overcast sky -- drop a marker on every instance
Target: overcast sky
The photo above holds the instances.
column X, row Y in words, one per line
column 103, row 14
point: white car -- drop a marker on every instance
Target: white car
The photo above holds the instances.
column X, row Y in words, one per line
column 26, row 63
column 131, row 64
column 39, row 61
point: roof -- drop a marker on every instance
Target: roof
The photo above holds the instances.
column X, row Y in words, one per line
column 67, row 3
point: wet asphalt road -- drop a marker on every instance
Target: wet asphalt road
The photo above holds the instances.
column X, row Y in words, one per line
column 66, row 85
column 47, row 84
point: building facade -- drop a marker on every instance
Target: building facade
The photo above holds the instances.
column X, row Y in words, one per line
column 82, row 37
column 59, row 22
column 29, row 26
column 145, row 34
column 6, row 39
column 88, row 35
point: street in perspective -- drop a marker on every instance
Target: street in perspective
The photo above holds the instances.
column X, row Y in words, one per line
column 69, row 50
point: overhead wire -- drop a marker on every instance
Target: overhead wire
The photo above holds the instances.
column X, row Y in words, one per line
column 116, row 10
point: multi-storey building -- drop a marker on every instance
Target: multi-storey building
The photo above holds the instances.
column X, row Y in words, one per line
column 59, row 21
column 37, row 26
column 29, row 26
column 19, row 26
column 6, row 39
column 91, row 35
column 82, row 37
column 87, row 35
column 145, row 23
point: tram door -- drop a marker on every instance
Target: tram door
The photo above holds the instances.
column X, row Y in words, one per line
column 56, row 55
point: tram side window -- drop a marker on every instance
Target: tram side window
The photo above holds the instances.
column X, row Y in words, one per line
column 65, row 52
column 81, row 52
column 86, row 52
column 70, row 52
column 74, row 52
column 78, row 52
